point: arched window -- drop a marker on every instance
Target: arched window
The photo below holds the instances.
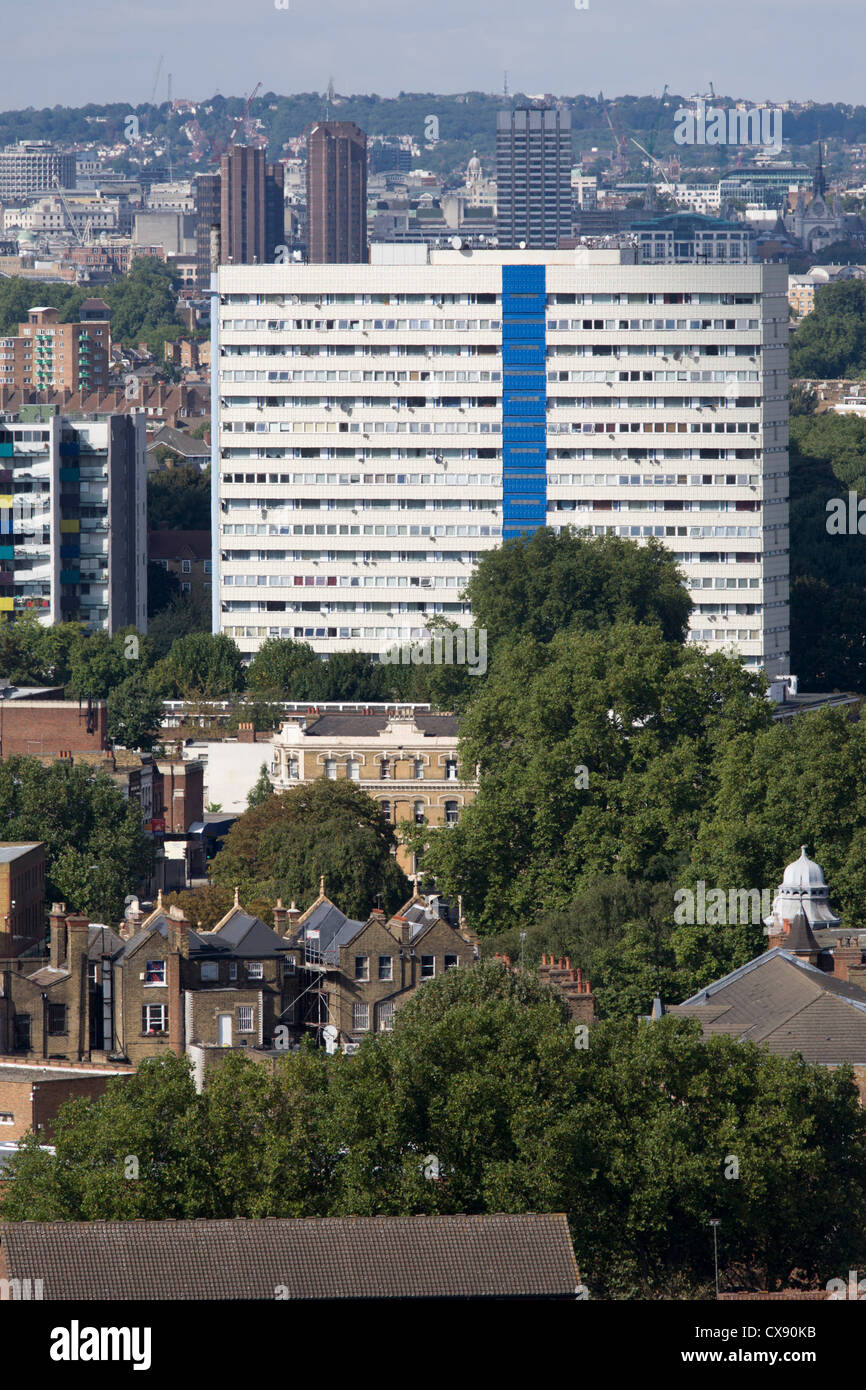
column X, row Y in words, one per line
column 420, row 813
column 353, row 769
column 452, row 812
column 386, row 809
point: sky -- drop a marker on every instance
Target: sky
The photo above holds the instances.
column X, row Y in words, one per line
column 70, row 52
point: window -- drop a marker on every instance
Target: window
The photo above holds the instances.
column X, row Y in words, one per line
column 210, row 970
column 428, row 967
column 233, row 969
column 450, row 769
column 154, row 1018
column 360, row 1018
column 386, row 967
column 292, row 769
column 353, row 770
column 385, row 768
column 6, row 1117
column 245, row 1018
column 419, row 770
column 386, row 1015
column 154, row 972
column 22, row 1033
column 255, row 970
column 56, row 1019
column 386, row 809
column 331, row 769
column 289, row 966
column 452, row 962
column 185, row 567
column 452, row 813
column 362, row 967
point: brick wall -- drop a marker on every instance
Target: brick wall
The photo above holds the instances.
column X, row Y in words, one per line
column 49, row 727
column 34, row 1103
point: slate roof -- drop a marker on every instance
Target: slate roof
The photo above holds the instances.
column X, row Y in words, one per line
column 334, row 927
column 311, row 1258
column 240, row 935
column 334, row 725
column 247, row 936
column 780, row 1000
column 12, row 850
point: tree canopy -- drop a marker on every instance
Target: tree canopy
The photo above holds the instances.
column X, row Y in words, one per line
column 281, row 848
column 480, row 1101
column 95, row 848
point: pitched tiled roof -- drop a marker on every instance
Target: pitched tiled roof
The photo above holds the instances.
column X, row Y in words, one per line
column 791, row 1006
column 173, row 545
column 247, row 936
column 311, row 1258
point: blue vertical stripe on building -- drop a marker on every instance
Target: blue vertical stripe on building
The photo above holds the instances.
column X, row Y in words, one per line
column 524, row 399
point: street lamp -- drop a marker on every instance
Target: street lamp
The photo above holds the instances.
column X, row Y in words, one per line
column 715, row 1223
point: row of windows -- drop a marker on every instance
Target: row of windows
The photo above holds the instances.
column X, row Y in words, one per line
column 440, row 300
column 386, row 967
column 155, row 971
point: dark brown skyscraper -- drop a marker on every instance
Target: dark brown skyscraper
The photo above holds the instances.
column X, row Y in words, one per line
column 336, row 193
column 244, row 201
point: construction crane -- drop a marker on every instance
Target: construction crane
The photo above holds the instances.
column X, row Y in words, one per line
column 649, row 151
column 156, row 79
column 666, row 185
column 82, row 237
column 620, row 159
column 220, row 150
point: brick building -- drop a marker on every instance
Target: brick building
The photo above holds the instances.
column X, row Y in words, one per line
column 22, row 896
column 352, row 976
column 405, row 760
column 186, row 555
column 30, row 1097
column 159, row 984
column 168, row 404
column 47, row 728
column 49, row 355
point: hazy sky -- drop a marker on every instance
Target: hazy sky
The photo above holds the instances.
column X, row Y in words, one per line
column 69, row 52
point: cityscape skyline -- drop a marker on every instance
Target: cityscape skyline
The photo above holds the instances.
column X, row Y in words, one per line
column 451, row 48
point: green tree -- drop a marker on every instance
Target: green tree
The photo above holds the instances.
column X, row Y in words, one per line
column 186, row 614
column 178, row 499
column 548, row 583
column 95, row 848
column 283, row 846
column 595, row 752
column 97, row 666
column 287, row 670
column 135, row 711
column 163, row 587
column 203, row 664
column 831, row 341
column 152, row 1117
column 261, row 790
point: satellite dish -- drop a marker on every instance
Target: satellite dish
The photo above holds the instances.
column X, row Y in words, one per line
column 521, row 246
column 457, row 243
column 330, row 1033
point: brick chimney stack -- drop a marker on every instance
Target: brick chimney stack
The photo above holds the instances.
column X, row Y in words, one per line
column 178, row 932
column 57, row 919
column 280, row 917
column 246, row 733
